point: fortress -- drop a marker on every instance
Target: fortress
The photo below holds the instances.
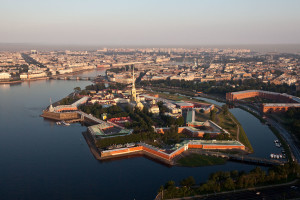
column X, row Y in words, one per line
column 287, row 100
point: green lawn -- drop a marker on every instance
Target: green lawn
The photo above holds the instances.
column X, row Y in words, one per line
column 175, row 97
column 196, row 160
column 227, row 123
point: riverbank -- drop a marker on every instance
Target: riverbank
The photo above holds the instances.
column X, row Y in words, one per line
column 11, row 82
column 47, row 77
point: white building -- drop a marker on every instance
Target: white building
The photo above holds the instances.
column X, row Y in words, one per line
column 5, row 75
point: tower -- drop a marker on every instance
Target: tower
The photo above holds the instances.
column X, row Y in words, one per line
column 195, row 62
column 133, row 90
column 51, row 109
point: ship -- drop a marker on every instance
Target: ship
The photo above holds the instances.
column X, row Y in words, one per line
column 65, row 123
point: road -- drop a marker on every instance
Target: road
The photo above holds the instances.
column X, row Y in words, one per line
column 289, row 139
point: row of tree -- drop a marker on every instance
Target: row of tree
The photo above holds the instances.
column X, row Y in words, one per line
column 68, row 100
column 226, row 181
column 132, row 138
column 97, row 110
column 293, row 120
column 222, row 87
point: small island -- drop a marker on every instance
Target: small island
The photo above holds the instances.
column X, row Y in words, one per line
column 124, row 120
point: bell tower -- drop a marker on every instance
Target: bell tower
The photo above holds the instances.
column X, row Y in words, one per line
column 133, row 90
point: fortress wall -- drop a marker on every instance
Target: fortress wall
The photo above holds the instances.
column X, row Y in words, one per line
column 162, row 155
column 60, row 116
column 195, row 146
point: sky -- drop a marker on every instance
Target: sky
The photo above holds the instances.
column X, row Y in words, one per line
column 150, row 22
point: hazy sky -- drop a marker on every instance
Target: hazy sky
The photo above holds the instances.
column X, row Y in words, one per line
column 155, row 22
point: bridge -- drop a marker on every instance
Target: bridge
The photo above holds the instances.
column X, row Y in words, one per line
column 238, row 157
column 96, row 120
column 80, row 78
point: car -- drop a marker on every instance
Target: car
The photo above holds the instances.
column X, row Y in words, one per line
column 294, row 187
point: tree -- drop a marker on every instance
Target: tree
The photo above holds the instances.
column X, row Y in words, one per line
column 213, row 114
column 229, row 184
column 169, row 185
column 77, row 89
column 188, row 182
column 225, row 109
column 206, row 136
column 179, row 121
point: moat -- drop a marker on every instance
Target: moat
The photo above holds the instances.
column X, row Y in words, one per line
column 41, row 160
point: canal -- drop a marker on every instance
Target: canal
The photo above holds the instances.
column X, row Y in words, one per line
column 259, row 134
column 40, row 160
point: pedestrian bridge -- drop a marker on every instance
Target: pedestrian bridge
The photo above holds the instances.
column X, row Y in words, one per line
column 96, row 120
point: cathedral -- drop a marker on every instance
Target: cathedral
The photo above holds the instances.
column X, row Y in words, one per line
column 135, row 101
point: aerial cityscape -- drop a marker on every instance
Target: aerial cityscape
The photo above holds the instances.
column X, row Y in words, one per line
column 205, row 104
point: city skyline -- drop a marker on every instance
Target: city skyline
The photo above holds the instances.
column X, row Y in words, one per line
column 155, row 23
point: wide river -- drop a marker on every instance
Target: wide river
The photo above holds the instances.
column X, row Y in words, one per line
column 40, row 160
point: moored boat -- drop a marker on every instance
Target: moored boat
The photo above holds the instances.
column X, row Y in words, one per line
column 65, row 123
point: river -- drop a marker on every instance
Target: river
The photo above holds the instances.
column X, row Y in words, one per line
column 40, row 160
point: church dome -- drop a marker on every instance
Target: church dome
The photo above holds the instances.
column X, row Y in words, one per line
column 140, row 106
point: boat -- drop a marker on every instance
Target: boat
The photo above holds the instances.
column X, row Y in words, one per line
column 280, row 156
column 277, row 156
column 130, row 145
column 278, row 145
column 272, row 155
column 58, row 123
column 65, row 123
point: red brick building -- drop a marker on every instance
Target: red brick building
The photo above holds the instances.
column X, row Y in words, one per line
column 289, row 100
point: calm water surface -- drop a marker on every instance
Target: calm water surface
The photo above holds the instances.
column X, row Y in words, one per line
column 40, row 160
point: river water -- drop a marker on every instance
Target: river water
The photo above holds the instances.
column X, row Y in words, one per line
column 40, row 160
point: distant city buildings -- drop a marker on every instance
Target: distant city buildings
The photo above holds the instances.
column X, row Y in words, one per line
column 193, row 64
